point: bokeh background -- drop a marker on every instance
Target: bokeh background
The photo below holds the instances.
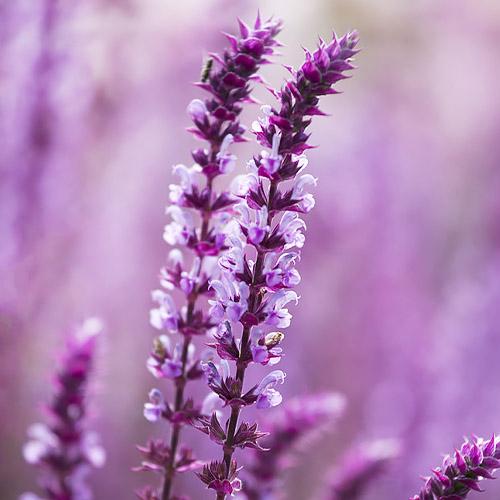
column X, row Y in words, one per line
column 400, row 305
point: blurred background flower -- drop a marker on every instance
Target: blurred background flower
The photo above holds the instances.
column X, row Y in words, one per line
column 401, row 272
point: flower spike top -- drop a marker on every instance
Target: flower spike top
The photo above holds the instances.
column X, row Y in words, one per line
column 199, row 216
column 462, row 471
column 216, row 118
column 299, row 98
column 64, row 449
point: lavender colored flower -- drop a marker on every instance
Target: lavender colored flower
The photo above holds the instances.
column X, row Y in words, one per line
column 359, row 467
column 199, row 216
column 462, row 471
column 265, row 238
column 63, row 449
column 298, row 421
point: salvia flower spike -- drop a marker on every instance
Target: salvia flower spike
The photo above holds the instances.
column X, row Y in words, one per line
column 463, row 470
column 227, row 78
column 63, row 449
column 359, row 467
column 297, row 423
column 258, row 269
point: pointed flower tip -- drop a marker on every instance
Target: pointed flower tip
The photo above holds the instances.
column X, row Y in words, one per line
column 244, row 29
column 258, row 21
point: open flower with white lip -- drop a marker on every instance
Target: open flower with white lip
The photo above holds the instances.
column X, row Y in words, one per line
column 290, row 228
column 231, row 298
column 153, row 410
column 271, row 161
column 187, row 182
column 181, row 227
column 227, row 161
column 190, row 279
column 232, row 260
column 242, row 184
column 253, row 223
column 299, row 192
column 268, row 396
column 197, row 110
column 165, row 316
column 280, row 271
column 277, row 314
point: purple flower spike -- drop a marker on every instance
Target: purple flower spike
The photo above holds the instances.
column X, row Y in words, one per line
column 359, row 467
column 462, row 471
column 299, row 420
column 245, row 245
column 63, row 448
column 199, row 216
column 264, row 239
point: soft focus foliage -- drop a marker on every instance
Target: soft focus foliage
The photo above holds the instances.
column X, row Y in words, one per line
column 399, row 310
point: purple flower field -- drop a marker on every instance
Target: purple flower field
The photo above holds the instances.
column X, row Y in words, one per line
column 249, row 250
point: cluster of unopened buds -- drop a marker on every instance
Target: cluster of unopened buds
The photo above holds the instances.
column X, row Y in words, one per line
column 463, row 470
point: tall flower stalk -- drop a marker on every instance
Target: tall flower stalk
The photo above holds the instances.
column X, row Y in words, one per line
column 258, row 269
column 64, row 450
column 199, row 215
column 462, row 471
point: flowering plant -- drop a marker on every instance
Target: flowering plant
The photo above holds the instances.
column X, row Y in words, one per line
column 64, row 450
column 245, row 252
column 227, row 79
column 258, row 270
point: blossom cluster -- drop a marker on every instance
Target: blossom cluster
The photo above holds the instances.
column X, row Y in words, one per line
column 258, row 269
column 462, row 471
column 199, row 216
column 64, row 450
